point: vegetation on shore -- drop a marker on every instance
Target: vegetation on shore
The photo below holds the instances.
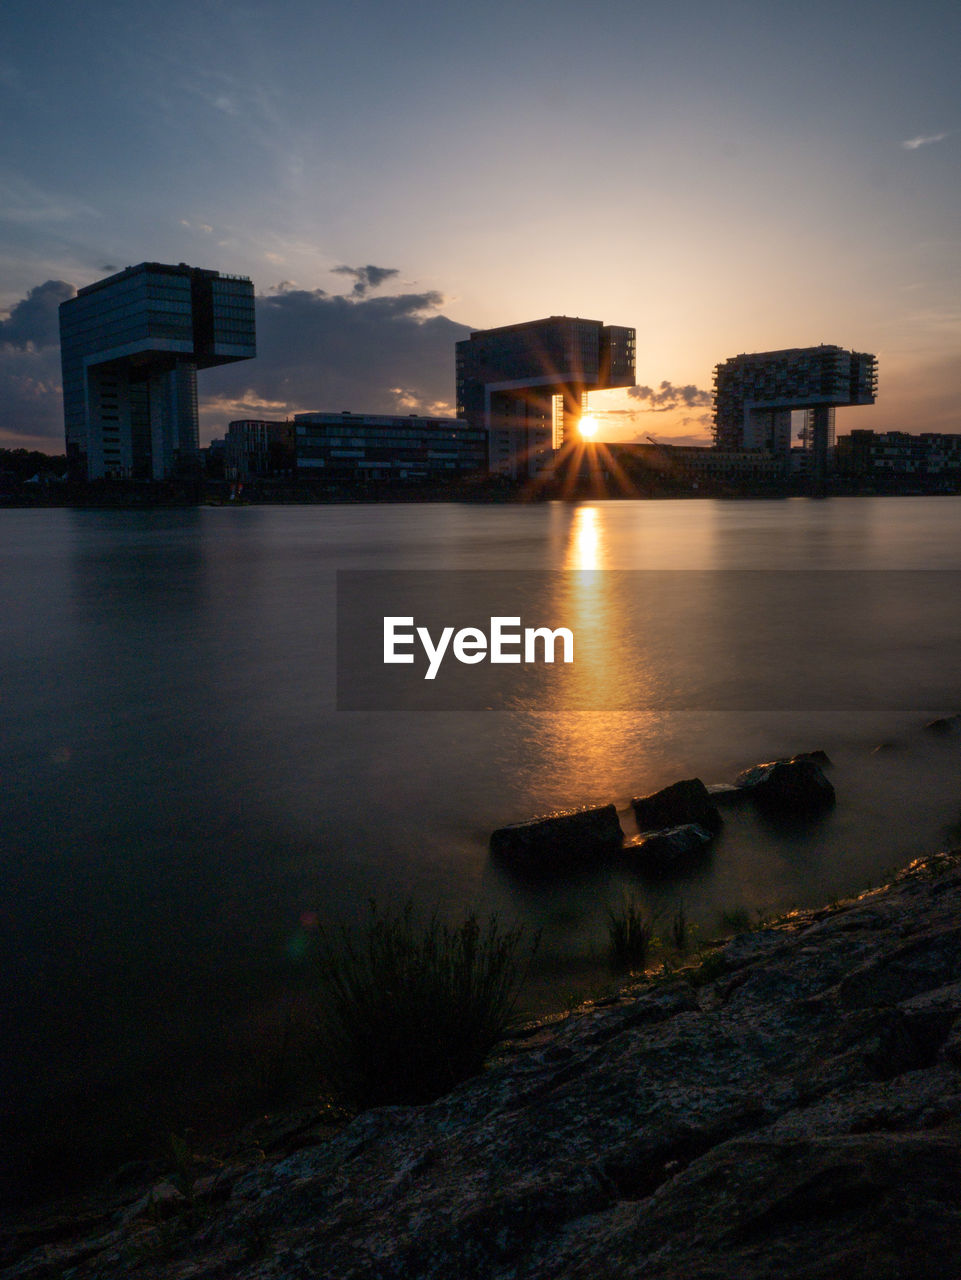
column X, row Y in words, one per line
column 410, row 1009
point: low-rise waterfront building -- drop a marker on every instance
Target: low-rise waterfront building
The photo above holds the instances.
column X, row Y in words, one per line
column 692, row 465
column 887, row 457
column 364, row 447
column 257, row 447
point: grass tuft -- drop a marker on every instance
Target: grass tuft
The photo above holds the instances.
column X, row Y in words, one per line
column 630, row 937
column 409, row 1010
column 680, row 929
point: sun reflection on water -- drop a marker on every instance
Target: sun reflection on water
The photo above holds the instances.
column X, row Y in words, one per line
column 585, row 549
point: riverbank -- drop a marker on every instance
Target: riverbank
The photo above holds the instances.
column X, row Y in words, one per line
column 790, row 1104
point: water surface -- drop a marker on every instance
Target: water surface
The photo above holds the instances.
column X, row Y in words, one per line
column 180, row 796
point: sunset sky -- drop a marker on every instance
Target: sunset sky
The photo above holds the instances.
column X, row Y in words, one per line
column 727, row 176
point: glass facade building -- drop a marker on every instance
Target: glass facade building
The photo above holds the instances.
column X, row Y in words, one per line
column 524, row 384
column 130, row 348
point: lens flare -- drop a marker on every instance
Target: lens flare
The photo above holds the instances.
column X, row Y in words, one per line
column 588, row 426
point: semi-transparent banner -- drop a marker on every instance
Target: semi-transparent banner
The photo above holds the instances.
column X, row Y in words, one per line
column 725, row 640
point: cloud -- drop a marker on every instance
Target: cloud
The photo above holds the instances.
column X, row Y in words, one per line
column 368, row 277
column 389, row 354
column 34, row 321
column 923, row 140
column 30, row 400
column 668, row 397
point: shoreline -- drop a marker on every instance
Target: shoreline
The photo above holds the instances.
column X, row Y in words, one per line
column 847, row 946
column 487, row 493
column 558, row 981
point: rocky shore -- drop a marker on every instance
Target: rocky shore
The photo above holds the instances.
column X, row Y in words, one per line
column 790, row 1105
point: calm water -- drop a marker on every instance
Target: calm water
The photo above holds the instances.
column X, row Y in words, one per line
column 180, row 796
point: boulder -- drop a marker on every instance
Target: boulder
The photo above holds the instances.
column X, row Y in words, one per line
column 795, row 787
column 678, row 805
column 581, row 837
column 943, row 725
column 727, row 794
column 669, row 852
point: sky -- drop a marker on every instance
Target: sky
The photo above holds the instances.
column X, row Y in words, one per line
column 727, row 176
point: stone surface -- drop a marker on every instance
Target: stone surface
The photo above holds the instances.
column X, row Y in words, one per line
column 727, row 795
column 667, row 853
column 580, row 837
column 796, row 787
column 790, row 1107
column 944, row 725
column 678, row 805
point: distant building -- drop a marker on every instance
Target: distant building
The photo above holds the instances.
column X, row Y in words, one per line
column 525, row 384
column 755, row 396
column 693, row 465
column 363, row 446
column 930, row 460
column 254, row 447
column 130, row 348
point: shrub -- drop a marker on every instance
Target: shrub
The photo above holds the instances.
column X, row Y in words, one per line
column 736, row 920
column 411, row 1010
column 680, row 928
column 630, row 936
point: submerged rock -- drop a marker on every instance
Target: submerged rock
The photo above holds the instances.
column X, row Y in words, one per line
column 943, row 725
column 669, row 852
column 727, row 794
column 579, row 838
column 677, row 805
column 795, row 787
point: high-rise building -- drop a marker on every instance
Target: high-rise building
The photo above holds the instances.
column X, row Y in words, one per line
column 525, row 384
column 130, row 348
column 755, row 396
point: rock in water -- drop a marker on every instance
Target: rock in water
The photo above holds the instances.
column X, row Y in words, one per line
column 582, row 837
column 728, row 793
column 677, row 805
column 669, row 852
column 943, row 725
column 795, row 788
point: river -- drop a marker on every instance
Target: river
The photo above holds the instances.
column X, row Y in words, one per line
column 182, row 799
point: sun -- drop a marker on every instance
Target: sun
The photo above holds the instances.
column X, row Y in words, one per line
column 588, row 426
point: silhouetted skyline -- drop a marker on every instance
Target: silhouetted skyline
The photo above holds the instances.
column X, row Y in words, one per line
column 724, row 181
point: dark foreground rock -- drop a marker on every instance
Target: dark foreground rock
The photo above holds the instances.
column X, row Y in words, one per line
column 791, row 1108
column 794, row 788
column 944, row 725
column 667, row 853
column 560, row 840
column 680, row 804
